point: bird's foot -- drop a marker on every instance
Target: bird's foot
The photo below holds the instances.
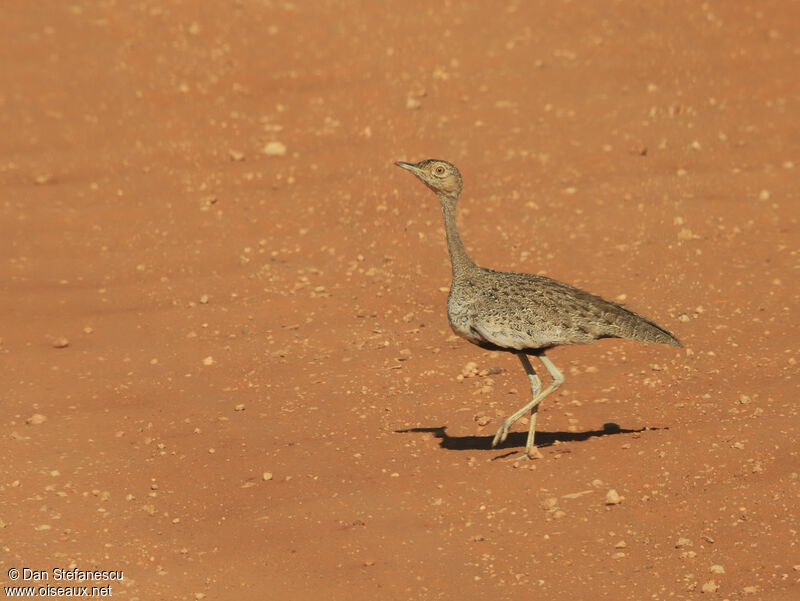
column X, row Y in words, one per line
column 502, row 434
column 530, row 454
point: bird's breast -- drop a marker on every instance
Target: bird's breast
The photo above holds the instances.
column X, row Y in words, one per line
column 460, row 314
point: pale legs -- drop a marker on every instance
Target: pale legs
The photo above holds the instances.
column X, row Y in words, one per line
column 537, row 396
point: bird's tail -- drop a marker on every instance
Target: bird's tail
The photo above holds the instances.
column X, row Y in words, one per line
column 647, row 330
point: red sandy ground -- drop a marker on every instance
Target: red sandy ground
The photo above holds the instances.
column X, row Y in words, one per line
column 260, row 397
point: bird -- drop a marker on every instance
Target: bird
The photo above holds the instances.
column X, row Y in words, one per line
column 522, row 313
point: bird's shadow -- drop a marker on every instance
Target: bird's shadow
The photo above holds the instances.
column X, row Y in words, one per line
column 518, row 439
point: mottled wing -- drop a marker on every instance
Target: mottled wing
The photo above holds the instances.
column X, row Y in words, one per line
column 525, row 311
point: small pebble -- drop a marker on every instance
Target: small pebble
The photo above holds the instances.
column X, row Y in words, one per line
column 613, row 498
column 683, row 542
column 710, row 587
column 482, row 420
column 274, row 149
column 266, row 476
column 208, row 361
column 716, row 569
column 470, row 369
column 60, row 343
column 36, row 419
column 550, row 504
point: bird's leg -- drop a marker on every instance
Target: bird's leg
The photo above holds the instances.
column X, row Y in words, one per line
column 557, row 379
column 536, row 387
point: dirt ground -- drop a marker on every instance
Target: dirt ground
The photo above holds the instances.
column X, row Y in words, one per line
column 226, row 368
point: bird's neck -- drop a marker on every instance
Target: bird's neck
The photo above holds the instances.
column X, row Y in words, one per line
column 459, row 259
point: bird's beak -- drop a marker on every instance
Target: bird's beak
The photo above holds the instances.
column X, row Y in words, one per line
column 410, row 166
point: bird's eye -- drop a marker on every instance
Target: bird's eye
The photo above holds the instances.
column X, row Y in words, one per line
column 439, row 170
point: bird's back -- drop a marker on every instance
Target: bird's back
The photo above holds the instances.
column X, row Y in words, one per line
column 520, row 311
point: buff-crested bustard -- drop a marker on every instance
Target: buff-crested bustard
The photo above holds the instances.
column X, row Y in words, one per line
column 522, row 313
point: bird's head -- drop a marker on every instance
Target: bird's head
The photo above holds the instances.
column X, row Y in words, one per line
column 440, row 176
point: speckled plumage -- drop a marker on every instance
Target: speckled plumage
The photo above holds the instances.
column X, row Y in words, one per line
column 526, row 312
column 520, row 312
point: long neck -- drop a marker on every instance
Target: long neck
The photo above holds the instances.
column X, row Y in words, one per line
column 459, row 259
